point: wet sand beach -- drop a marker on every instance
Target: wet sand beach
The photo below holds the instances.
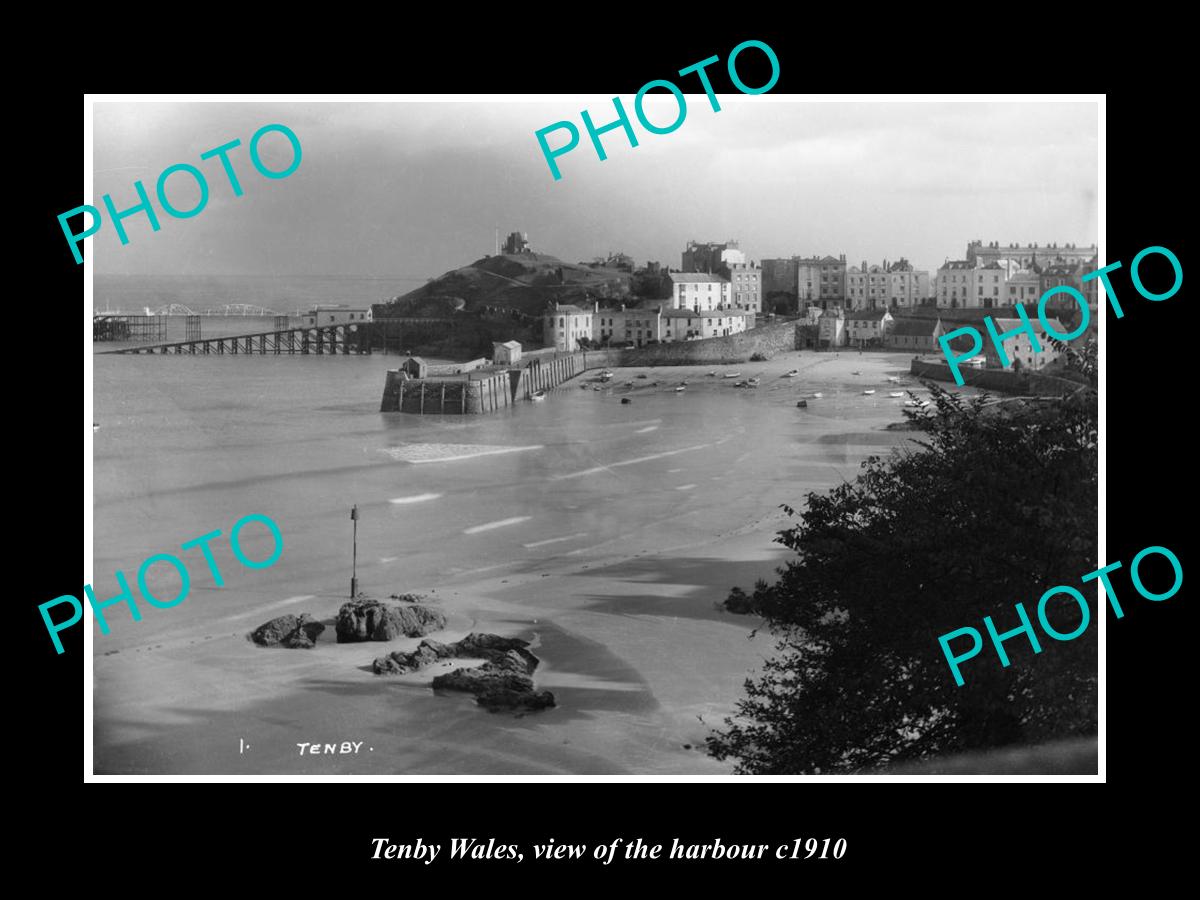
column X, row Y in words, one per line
column 605, row 533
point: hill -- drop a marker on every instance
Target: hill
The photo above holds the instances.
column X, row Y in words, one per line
column 510, row 283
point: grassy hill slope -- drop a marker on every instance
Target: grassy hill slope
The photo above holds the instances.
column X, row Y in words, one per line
column 524, row 283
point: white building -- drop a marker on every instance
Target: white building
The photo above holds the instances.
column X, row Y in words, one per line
column 867, row 326
column 1024, row 288
column 699, row 291
column 889, row 286
column 690, row 325
column 635, row 325
column 564, row 324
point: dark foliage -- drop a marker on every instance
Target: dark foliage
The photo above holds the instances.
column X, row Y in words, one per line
column 997, row 506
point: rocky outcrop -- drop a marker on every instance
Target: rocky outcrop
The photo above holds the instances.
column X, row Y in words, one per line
column 503, row 681
column 294, row 632
column 401, row 663
column 375, row 620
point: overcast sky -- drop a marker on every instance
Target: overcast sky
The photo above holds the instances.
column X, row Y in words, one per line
column 416, row 189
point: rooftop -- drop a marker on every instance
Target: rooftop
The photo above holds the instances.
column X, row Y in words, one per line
column 914, row 327
column 697, row 278
column 706, row 314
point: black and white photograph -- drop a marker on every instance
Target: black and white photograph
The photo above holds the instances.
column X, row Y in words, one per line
column 445, row 435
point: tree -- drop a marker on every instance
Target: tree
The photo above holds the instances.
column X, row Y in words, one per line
column 997, row 506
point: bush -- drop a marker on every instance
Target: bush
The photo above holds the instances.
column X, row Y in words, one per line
column 998, row 507
column 758, row 356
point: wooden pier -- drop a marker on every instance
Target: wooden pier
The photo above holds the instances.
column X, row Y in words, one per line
column 345, row 338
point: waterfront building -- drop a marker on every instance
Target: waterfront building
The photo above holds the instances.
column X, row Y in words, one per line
column 745, row 285
column 637, row 325
column 866, row 287
column 564, row 324
column 867, row 327
column 699, row 291
column 505, row 354
column 950, row 285
column 960, row 284
column 1024, row 287
column 1019, row 349
column 1063, row 274
column 690, row 325
column 831, row 328
column 918, row 335
column 335, row 314
column 1027, row 255
column 415, row 367
column 906, row 287
column 821, row 281
column 988, row 286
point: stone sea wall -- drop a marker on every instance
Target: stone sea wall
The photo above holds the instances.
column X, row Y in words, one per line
column 1004, row 381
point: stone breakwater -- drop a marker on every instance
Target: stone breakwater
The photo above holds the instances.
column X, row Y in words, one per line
column 503, row 681
column 478, row 390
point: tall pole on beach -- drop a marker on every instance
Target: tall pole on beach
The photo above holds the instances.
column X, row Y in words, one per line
column 354, row 563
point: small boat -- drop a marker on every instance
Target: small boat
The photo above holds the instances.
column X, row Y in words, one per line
column 894, row 379
column 733, row 375
column 918, row 404
column 753, row 382
column 802, row 404
column 643, row 375
column 626, row 400
column 817, row 396
column 606, row 374
column 856, row 372
column 537, row 395
column 871, row 391
column 711, row 374
column 95, row 427
column 681, row 387
column 595, row 387
column 792, row 374
column 895, row 393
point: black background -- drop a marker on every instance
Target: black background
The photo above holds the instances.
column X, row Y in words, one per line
column 919, row 835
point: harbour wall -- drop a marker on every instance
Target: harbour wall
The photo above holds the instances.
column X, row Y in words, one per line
column 474, row 388
column 734, row 348
column 1004, row 381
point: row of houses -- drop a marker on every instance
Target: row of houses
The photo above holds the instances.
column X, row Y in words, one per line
column 564, row 326
column 919, row 335
column 967, row 284
column 990, row 276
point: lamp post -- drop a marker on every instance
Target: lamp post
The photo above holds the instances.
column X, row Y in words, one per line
column 354, row 563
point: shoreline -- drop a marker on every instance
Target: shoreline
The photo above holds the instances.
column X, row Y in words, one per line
column 640, row 660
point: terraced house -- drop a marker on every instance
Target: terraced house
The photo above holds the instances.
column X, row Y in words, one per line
column 699, row 291
column 867, row 327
